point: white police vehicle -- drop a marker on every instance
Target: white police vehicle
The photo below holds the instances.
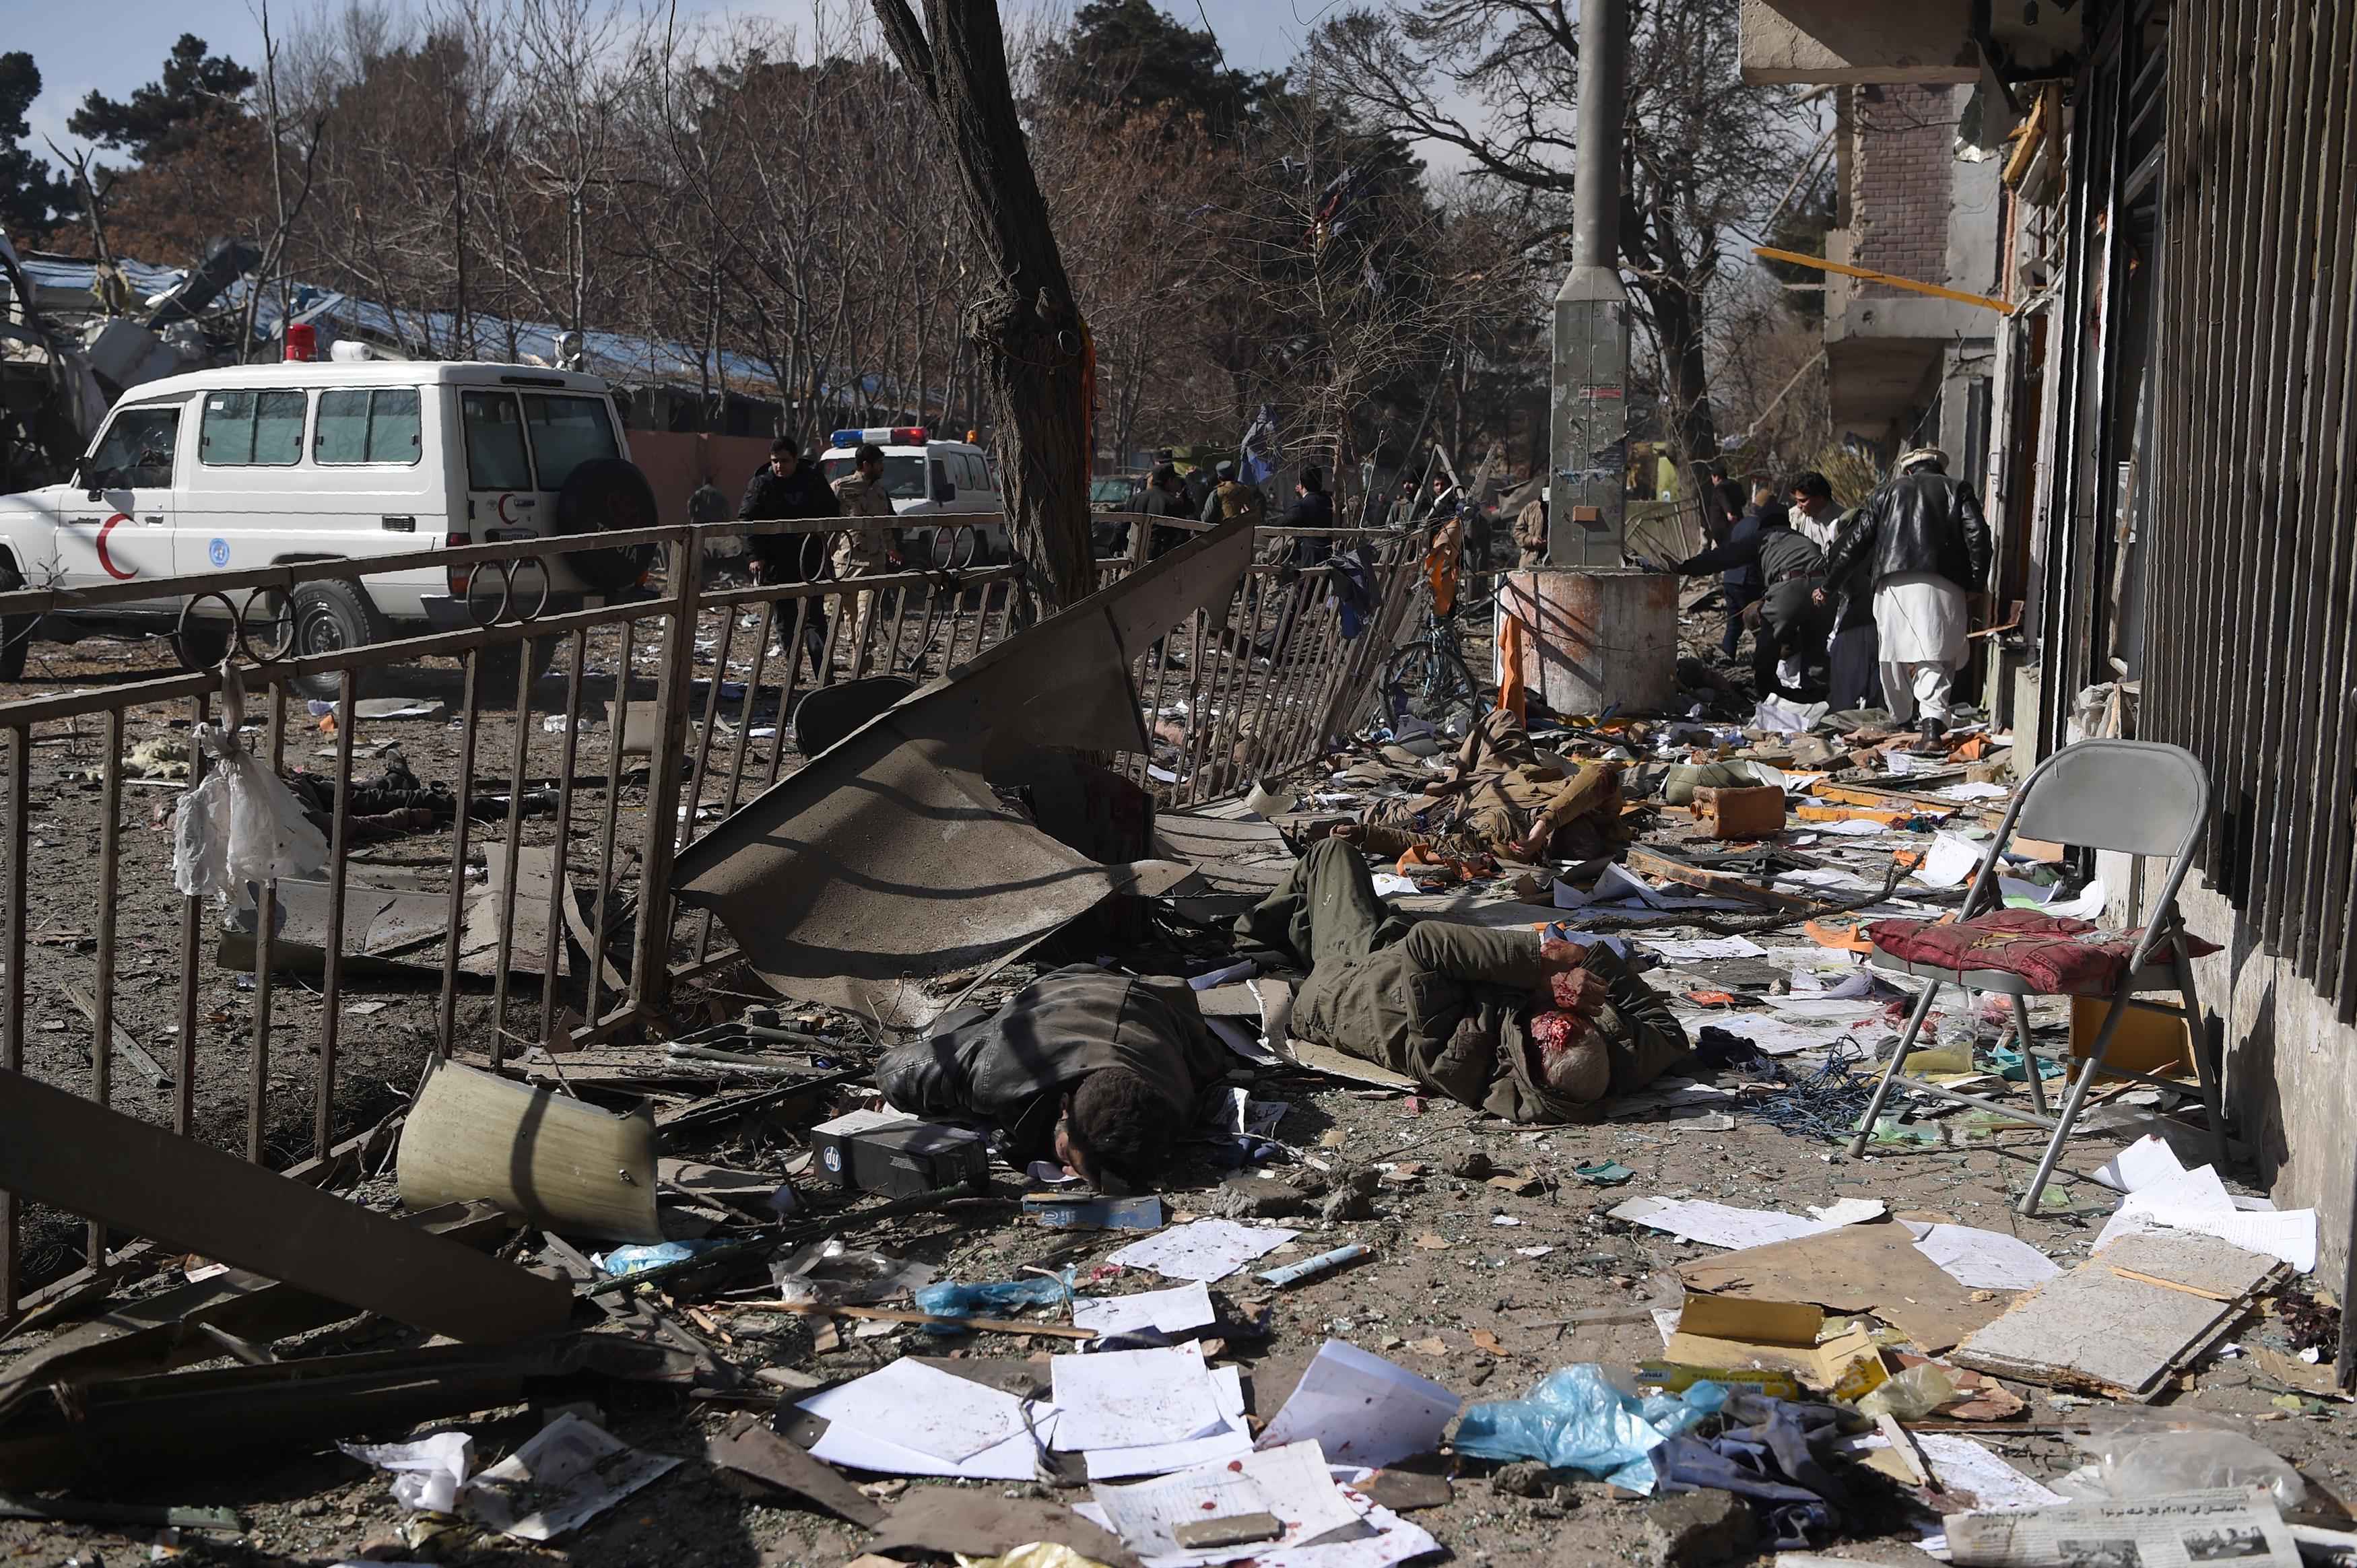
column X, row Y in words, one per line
column 929, row 480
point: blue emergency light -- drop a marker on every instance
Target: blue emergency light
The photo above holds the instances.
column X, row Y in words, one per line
column 882, row 435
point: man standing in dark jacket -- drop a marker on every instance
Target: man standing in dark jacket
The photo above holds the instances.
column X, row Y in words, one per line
column 788, row 488
column 1162, row 497
column 1851, row 680
column 1096, row 1068
column 1739, row 584
column 1793, row 623
column 1921, row 543
column 1311, row 507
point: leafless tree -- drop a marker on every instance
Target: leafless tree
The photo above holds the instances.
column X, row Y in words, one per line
column 1028, row 329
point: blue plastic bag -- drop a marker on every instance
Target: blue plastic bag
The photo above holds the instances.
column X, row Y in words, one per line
column 1578, row 1419
column 994, row 1299
column 636, row 1259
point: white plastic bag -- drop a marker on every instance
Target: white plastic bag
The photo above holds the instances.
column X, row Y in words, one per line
column 240, row 824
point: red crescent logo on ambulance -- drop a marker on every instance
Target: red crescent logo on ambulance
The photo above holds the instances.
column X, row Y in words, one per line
column 106, row 562
column 501, row 505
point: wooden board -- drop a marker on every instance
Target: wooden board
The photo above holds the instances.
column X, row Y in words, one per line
column 62, row 1149
column 1872, row 1267
column 1340, row 1064
column 2096, row 1329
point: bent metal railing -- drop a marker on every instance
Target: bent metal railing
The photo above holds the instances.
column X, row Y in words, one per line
column 105, row 986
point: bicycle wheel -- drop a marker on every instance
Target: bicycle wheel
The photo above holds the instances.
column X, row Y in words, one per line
column 1432, row 684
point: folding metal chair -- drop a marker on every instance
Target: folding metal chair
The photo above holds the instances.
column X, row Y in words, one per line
column 2137, row 797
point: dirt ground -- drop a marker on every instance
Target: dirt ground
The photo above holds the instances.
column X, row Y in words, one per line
column 1463, row 1276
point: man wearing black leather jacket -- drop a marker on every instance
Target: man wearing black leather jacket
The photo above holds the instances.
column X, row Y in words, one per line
column 788, row 488
column 1922, row 543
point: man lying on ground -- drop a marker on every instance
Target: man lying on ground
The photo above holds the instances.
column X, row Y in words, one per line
column 1493, row 1018
column 1095, row 1070
column 1502, row 800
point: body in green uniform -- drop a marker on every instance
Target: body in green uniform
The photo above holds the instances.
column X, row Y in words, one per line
column 1443, row 1003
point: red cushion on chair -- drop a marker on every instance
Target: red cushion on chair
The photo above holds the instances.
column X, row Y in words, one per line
column 2052, row 953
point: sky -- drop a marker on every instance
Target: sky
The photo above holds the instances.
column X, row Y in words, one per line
column 1254, row 34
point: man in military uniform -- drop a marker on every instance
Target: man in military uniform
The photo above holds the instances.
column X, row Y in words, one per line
column 865, row 550
column 1231, row 498
column 1097, row 1069
column 1528, row 1030
column 1503, row 799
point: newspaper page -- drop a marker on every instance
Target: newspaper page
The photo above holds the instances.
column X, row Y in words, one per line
column 2234, row 1527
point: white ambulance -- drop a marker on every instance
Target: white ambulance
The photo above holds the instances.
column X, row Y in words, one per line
column 258, row 465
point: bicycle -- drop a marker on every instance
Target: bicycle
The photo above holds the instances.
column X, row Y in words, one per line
column 1427, row 679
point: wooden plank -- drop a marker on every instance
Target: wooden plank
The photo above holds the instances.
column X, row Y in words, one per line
column 2125, row 1320
column 750, row 1448
column 60, row 1148
column 156, row 1076
column 1720, row 883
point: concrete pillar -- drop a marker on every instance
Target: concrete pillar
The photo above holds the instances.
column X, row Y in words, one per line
column 1588, row 404
column 1599, row 639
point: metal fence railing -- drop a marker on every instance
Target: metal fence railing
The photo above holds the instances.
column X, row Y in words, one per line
column 526, row 900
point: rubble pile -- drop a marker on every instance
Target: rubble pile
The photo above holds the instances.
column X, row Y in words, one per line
column 878, row 1267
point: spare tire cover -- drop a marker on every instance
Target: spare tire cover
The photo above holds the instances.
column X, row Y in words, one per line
column 607, row 495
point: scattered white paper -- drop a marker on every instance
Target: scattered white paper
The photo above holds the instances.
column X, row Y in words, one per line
column 1973, row 792
column 1390, row 885
column 2197, row 1200
column 1848, row 1210
column 922, row 1407
column 1783, row 718
column 1847, row 1010
column 1361, row 1408
column 1395, row 1540
column 1689, row 949
column 1241, row 971
column 1613, row 886
column 1126, row 1398
column 1663, row 1094
column 2087, row 906
column 1016, row 1459
column 1984, row 1260
column 1245, row 1040
column 1780, row 1036
column 1854, row 828
column 2147, row 1162
column 1232, row 1440
column 569, row 1473
column 1172, row 1311
column 1718, row 1224
column 1950, row 861
column 428, row 1474
column 1206, row 1250
column 1959, row 1464
column 1291, row 1483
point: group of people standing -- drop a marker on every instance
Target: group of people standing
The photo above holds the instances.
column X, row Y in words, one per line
column 789, row 488
column 1867, row 606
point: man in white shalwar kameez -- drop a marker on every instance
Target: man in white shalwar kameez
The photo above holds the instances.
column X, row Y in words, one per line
column 1922, row 543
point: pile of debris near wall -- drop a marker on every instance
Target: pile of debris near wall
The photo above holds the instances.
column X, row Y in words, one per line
column 855, row 1269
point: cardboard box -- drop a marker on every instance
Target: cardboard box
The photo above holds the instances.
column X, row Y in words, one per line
column 1740, row 813
column 1780, row 1336
column 893, row 1154
column 2147, row 1042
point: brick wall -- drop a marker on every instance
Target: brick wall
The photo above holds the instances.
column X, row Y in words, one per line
column 1901, row 172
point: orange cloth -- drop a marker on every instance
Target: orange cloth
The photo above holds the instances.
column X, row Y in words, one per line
column 1513, row 667
column 1440, row 559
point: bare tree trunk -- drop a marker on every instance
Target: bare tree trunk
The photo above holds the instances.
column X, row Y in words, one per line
column 1024, row 324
